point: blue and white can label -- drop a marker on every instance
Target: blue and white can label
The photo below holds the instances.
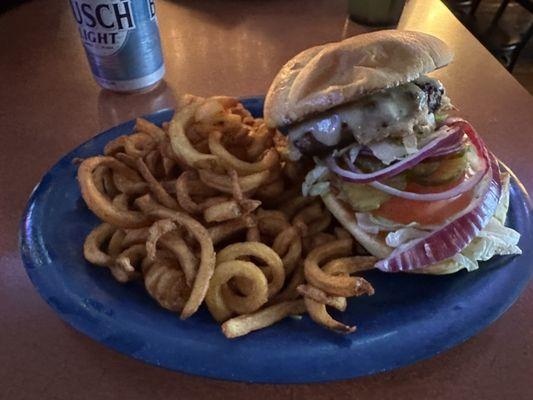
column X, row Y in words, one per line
column 121, row 39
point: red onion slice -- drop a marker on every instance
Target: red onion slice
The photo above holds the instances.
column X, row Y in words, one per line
column 366, row 151
column 456, row 235
column 448, row 150
column 461, row 188
column 450, row 136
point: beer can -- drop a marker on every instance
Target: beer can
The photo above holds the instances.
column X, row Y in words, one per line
column 122, row 43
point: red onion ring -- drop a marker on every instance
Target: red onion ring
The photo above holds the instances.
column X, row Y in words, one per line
column 461, row 188
column 456, row 235
column 451, row 135
column 448, row 150
column 366, row 151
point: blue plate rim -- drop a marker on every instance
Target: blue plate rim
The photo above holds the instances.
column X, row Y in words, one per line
column 518, row 190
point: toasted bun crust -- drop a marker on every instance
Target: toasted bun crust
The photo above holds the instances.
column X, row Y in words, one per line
column 346, row 217
column 326, row 76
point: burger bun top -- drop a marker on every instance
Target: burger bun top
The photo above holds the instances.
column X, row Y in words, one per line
column 329, row 75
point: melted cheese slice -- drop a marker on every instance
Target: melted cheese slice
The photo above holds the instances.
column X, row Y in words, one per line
column 395, row 112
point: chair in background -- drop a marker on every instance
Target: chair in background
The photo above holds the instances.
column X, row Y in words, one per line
column 504, row 37
column 463, row 8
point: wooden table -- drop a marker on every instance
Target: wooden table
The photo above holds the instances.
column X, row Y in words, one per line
column 49, row 104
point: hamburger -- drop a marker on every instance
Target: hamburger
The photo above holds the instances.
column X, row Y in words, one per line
column 416, row 188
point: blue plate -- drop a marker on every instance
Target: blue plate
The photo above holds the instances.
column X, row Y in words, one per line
column 410, row 317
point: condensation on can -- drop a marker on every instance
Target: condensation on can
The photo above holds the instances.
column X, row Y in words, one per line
column 122, row 43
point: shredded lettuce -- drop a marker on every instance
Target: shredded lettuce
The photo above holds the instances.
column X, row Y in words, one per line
column 391, row 149
column 292, row 152
column 410, row 143
column 365, row 222
column 494, row 239
column 353, row 152
column 386, row 225
column 440, row 117
column 319, row 189
column 316, row 181
column 501, row 212
column 449, row 266
column 388, row 150
column 403, row 235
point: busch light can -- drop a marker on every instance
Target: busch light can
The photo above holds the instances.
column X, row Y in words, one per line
column 121, row 39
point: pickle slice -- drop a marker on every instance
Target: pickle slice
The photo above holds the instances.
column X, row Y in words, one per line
column 363, row 197
column 368, row 164
column 448, row 170
column 423, row 169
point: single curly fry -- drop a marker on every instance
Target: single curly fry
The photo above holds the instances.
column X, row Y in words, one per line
column 213, row 201
column 295, row 204
column 271, row 222
column 224, row 272
column 322, row 297
column 288, row 245
column 99, row 203
column 181, row 145
column 165, row 231
column 166, row 284
column 226, row 230
column 128, row 186
column 271, row 191
column 318, row 313
column 135, row 236
column 155, row 164
column 262, row 140
column 121, row 201
column 145, row 126
column 115, row 247
column 158, row 229
column 244, row 324
column 350, row 265
column 123, row 266
column 115, row 145
column 260, row 252
column 173, row 242
column 342, row 233
column 316, row 217
column 253, row 234
column 317, row 239
column 223, row 182
column 98, row 176
column 92, row 247
column 207, row 254
column 139, row 144
column 269, row 159
column 155, row 187
column 290, row 292
column 345, row 286
column 182, row 192
column 222, row 211
column 230, row 209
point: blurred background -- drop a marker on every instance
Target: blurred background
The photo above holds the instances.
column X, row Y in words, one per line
column 504, row 27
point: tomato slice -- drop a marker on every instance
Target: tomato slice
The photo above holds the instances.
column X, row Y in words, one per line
column 406, row 211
